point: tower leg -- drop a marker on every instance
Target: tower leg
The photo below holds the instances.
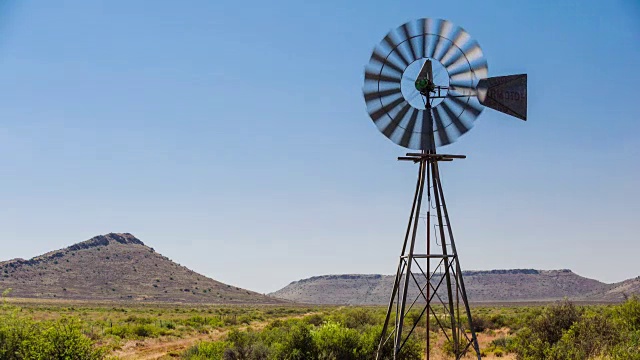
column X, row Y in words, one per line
column 398, row 295
column 459, row 279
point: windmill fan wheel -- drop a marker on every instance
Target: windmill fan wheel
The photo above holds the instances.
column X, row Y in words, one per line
column 394, row 94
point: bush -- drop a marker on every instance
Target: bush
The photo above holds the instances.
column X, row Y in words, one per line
column 22, row 338
column 545, row 330
column 119, row 331
column 335, row 341
column 563, row 332
column 143, row 331
column 358, row 318
column 501, row 341
column 557, row 319
column 448, row 347
column 481, row 324
column 628, row 314
column 315, row 320
column 537, row 340
column 500, row 320
column 15, row 337
column 245, row 346
column 591, row 336
column 296, row 344
column 64, row 340
column 206, row 350
column 627, row 317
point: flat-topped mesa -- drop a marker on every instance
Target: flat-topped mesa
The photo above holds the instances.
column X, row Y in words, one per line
column 465, row 272
column 500, row 285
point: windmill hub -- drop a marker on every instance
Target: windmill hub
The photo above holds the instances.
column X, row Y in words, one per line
column 424, row 85
column 415, row 87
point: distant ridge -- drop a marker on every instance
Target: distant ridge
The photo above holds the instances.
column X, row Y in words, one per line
column 509, row 285
column 116, row 266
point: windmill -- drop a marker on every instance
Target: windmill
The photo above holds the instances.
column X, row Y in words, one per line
column 425, row 84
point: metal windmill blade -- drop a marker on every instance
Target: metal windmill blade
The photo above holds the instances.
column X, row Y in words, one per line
column 430, row 70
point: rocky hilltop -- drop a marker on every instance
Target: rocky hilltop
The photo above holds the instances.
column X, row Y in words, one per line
column 116, row 267
column 516, row 285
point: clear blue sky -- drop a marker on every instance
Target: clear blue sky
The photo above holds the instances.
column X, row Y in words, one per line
column 232, row 136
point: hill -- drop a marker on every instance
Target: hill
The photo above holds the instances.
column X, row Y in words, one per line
column 116, row 267
column 618, row 291
column 517, row 285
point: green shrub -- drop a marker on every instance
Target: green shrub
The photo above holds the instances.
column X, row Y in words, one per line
column 500, row 320
column 245, row 319
column 591, row 336
column 628, row 314
column 121, row 331
column 206, row 350
column 315, row 320
column 230, row 320
column 198, row 322
column 480, row 323
column 628, row 348
column 358, row 318
column 22, row 338
column 143, row 331
column 545, row 330
column 503, row 342
column 557, row 319
column 335, row 341
column 63, row 339
column 245, row 346
column 448, row 346
column 16, row 337
column 414, row 317
column 296, row 344
column 563, row 332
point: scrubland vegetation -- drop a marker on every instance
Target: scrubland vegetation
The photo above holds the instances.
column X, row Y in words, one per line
column 558, row 331
column 35, row 330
